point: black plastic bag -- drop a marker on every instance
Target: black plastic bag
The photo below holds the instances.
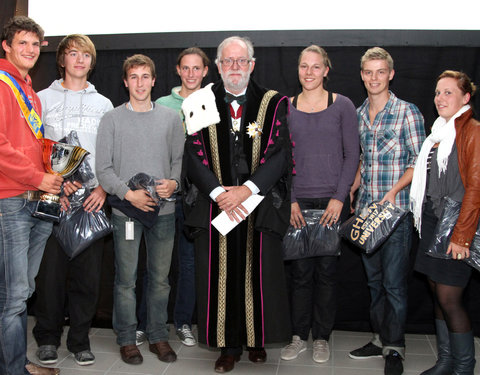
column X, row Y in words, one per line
column 144, row 181
column 371, row 231
column 77, row 228
column 295, row 243
column 311, row 240
column 444, row 230
column 141, row 181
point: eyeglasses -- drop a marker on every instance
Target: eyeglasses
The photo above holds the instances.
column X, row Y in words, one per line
column 229, row 62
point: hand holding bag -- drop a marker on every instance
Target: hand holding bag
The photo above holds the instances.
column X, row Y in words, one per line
column 313, row 239
column 77, row 228
column 444, row 230
column 371, row 231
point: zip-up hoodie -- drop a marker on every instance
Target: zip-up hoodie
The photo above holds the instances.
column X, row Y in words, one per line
column 21, row 166
column 65, row 110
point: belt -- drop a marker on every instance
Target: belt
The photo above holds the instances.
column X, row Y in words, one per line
column 31, row 195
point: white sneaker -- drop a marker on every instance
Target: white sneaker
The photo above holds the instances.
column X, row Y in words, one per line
column 185, row 335
column 292, row 350
column 321, row 351
column 141, row 337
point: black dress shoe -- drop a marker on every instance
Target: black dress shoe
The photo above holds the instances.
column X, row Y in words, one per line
column 257, row 356
column 226, row 363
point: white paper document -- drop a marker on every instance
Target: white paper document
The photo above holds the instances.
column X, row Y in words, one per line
column 225, row 225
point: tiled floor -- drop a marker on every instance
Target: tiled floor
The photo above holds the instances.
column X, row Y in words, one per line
column 200, row 360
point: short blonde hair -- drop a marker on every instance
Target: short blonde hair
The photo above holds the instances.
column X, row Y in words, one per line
column 376, row 53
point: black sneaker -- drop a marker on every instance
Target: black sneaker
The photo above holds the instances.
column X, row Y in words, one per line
column 393, row 363
column 367, row 351
column 47, row 354
column 84, row 358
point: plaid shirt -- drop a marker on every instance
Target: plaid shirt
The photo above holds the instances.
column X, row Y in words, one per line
column 389, row 147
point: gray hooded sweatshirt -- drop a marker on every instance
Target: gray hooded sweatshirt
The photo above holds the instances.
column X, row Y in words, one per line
column 64, row 110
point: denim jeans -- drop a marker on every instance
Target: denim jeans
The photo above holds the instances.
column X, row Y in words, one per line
column 185, row 299
column 22, row 241
column 159, row 245
column 387, row 271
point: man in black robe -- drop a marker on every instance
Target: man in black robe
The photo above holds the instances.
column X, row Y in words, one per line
column 242, row 298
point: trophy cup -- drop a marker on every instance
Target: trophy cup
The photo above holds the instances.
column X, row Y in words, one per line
column 60, row 159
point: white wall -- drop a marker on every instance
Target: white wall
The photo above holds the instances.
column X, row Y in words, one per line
column 62, row 17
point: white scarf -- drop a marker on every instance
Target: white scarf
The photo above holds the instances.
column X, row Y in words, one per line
column 443, row 132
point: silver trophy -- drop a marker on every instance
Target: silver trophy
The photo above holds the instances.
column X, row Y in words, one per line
column 60, row 159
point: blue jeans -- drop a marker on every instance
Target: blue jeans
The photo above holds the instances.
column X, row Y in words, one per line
column 22, row 241
column 387, row 271
column 185, row 299
column 159, row 245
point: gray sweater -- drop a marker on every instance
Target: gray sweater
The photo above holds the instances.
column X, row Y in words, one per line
column 130, row 142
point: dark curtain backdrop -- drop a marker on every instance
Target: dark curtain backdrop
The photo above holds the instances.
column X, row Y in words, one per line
column 7, row 10
column 416, row 69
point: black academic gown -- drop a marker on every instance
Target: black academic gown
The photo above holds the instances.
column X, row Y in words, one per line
column 250, row 306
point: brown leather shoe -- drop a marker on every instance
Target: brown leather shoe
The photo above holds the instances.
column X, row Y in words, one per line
column 257, row 356
column 226, row 363
column 35, row 369
column 164, row 351
column 131, row 355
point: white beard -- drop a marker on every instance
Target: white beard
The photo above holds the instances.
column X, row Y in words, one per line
column 240, row 85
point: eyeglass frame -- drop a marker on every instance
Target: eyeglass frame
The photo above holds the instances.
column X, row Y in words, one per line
column 233, row 61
